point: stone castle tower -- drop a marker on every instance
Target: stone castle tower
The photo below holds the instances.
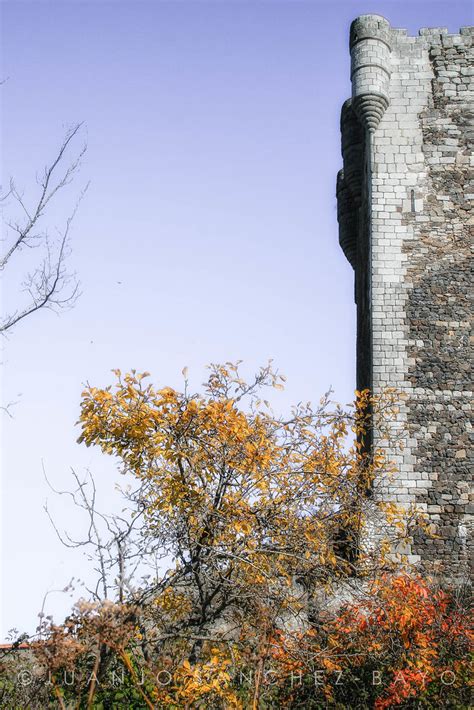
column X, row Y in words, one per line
column 404, row 224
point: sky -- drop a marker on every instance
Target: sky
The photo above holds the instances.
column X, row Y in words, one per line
column 208, row 232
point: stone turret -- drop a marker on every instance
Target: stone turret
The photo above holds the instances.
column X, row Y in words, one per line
column 370, row 47
column 405, row 217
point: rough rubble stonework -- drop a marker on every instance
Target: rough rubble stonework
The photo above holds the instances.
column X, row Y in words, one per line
column 405, row 224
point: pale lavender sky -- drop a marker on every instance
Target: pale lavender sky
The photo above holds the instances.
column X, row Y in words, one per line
column 213, row 133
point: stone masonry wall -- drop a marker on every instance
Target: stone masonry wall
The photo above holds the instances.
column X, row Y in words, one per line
column 406, row 228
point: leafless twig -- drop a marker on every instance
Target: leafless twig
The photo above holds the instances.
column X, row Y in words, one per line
column 110, row 540
column 49, row 284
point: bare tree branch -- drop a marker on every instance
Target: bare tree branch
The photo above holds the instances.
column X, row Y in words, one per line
column 49, row 284
column 109, row 539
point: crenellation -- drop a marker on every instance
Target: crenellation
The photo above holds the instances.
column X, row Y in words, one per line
column 410, row 230
column 432, row 32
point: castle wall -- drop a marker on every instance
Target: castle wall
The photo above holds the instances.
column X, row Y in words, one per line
column 407, row 235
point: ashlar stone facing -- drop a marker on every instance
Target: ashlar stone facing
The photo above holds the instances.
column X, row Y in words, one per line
column 405, row 224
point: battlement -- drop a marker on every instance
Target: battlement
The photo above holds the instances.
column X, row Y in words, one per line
column 405, row 216
column 377, row 26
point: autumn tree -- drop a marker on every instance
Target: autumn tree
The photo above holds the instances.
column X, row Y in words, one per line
column 247, row 505
column 243, row 508
column 227, row 562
